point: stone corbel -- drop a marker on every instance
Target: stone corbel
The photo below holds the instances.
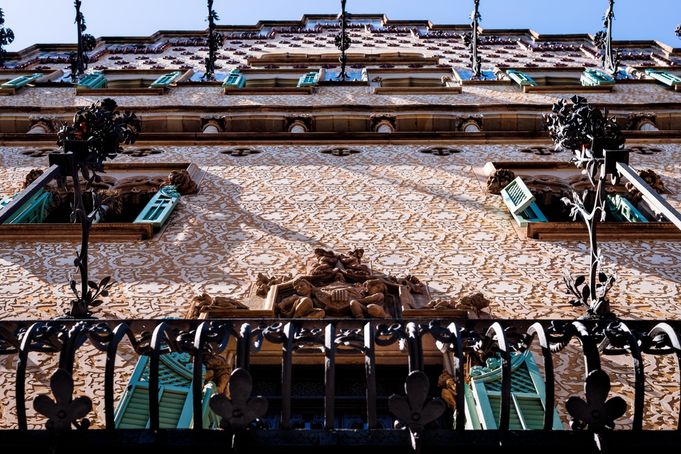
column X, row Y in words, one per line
column 636, row 120
column 43, row 125
column 212, row 125
column 299, row 123
column 383, row 123
column 471, row 123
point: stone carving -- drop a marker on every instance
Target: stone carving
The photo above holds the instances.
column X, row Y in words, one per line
column 218, row 370
column 474, row 304
column 340, row 285
column 499, row 180
column 654, row 181
column 378, row 120
column 31, row 176
column 644, row 150
column 212, row 306
column 264, row 283
column 447, row 385
column 182, row 181
column 635, row 120
column 541, row 151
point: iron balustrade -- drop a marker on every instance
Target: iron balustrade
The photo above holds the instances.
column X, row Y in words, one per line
column 333, row 338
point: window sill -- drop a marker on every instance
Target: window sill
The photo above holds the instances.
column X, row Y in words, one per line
column 83, row 91
column 568, row 89
column 417, row 90
column 72, row 232
column 269, row 91
column 613, row 231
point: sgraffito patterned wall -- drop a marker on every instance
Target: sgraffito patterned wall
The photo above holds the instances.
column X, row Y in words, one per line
column 413, row 213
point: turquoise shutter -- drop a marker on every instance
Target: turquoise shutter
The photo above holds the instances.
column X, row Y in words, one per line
column 159, row 208
column 4, row 201
column 623, row 210
column 528, row 396
column 665, row 77
column 93, row 80
column 175, row 396
column 34, row 211
column 308, row 80
column 521, row 78
column 596, row 78
column 21, row 81
column 165, row 80
column 521, row 203
column 234, row 80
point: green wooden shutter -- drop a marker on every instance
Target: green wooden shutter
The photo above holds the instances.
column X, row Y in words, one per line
column 165, row 80
column 234, row 80
column 596, row 78
column 21, row 81
column 159, row 208
column 521, row 203
column 521, row 78
column 308, row 80
column 93, row 80
column 34, row 211
column 483, row 396
column 665, row 77
column 5, row 200
column 175, row 396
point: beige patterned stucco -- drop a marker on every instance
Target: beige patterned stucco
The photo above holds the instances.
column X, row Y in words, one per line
column 412, row 213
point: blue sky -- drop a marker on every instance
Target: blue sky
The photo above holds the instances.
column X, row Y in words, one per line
column 49, row 21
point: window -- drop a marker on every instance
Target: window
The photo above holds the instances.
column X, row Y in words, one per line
column 141, row 199
column 560, row 80
column 266, row 81
column 416, row 80
column 532, row 192
column 129, row 83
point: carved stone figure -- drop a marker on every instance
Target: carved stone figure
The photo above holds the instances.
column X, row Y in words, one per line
column 447, row 385
column 499, row 180
column 264, row 283
column 329, row 265
column 474, row 304
column 302, row 303
column 182, row 181
column 218, row 370
column 31, row 176
column 654, row 181
column 372, row 303
column 206, row 304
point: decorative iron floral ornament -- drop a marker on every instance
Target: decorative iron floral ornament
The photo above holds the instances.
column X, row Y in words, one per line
column 416, row 410
column 578, row 126
column 79, row 60
column 610, row 58
column 472, row 41
column 241, row 409
column 343, row 42
column 678, row 30
column 64, row 411
column 6, row 37
column 597, row 413
column 97, row 133
column 215, row 41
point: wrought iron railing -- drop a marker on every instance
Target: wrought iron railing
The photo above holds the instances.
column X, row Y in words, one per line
column 331, row 339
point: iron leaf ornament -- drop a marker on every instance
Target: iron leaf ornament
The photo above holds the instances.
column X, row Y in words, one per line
column 240, row 409
column 415, row 410
column 6, row 38
column 597, row 413
column 215, row 41
column 472, row 41
column 576, row 125
column 96, row 135
column 678, row 30
column 343, row 42
column 64, row 411
column 79, row 60
column 610, row 58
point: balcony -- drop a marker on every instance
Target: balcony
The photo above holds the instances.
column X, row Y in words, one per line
column 380, row 352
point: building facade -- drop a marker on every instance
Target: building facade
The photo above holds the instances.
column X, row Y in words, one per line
column 403, row 160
